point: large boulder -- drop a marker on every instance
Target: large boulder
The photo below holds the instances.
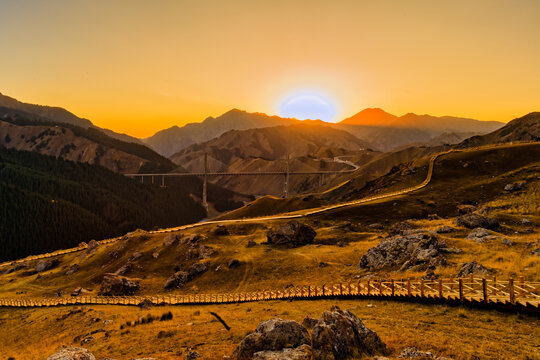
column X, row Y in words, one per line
column 472, row 221
column 44, row 265
column 72, row 353
column 272, row 335
column 473, row 268
column 479, row 235
column 417, row 251
column 341, row 335
column 116, row 285
column 170, row 239
column 292, row 234
column 180, row 278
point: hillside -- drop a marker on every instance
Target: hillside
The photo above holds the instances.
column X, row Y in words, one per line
column 526, row 128
column 172, row 140
column 312, row 146
column 48, row 204
column 370, row 117
column 61, row 115
column 23, row 131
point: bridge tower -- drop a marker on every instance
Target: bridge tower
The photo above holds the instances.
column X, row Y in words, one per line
column 205, row 183
column 286, row 190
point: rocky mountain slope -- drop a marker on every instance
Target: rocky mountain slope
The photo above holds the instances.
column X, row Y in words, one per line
column 525, row 128
column 23, row 131
column 172, row 140
column 61, row 115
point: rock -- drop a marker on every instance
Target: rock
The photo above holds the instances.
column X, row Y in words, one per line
column 472, row 221
column 451, row 251
column 73, row 269
column 535, row 252
column 191, row 355
column 478, row 234
column 412, row 352
column 444, row 229
column 525, row 221
column 341, row 335
column 292, row 234
column 145, row 304
column 16, row 266
column 92, row 245
column 156, row 254
column 272, row 335
column 507, row 242
column 472, row 268
column 322, row 264
column 136, row 255
column 408, row 252
column 82, row 244
column 221, row 230
column 433, row 217
column 116, row 285
column 233, row 263
column 430, row 275
column 397, row 228
column 302, row 352
column 192, row 239
column 44, row 265
column 251, row 243
column 124, row 269
column 514, row 186
column 72, row 353
column 170, row 239
column 206, row 251
column 375, row 226
column 466, row 209
column 78, row 291
column 180, row 278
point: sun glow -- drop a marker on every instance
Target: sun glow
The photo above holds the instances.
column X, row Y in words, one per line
column 304, row 105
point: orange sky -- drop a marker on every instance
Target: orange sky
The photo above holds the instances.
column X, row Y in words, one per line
column 141, row 66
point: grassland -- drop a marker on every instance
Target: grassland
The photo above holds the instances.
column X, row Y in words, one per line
column 453, row 332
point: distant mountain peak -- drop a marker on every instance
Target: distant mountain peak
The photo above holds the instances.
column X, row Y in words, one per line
column 371, row 117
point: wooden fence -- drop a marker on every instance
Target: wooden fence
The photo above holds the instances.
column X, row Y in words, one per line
column 489, row 292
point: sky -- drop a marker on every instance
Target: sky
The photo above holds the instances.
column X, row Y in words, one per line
column 140, row 66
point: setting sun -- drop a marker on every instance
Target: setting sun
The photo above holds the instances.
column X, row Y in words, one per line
column 304, row 105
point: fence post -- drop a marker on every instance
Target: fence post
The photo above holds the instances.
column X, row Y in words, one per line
column 409, row 287
column 440, row 289
column 368, row 288
column 323, row 290
column 422, row 287
column 392, row 286
column 380, row 287
column 460, row 284
column 484, row 290
column 511, row 291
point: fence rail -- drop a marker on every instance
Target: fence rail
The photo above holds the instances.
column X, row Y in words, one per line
column 489, row 292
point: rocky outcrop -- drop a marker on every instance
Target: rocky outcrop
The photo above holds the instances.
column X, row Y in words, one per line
column 337, row 335
column 514, row 186
column 116, row 285
column 292, row 234
column 341, row 335
column 444, row 229
column 472, row 268
column 180, row 278
column 399, row 227
column 472, row 221
column 479, row 235
column 73, row 269
column 16, row 266
column 206, row 251
column 272, row 335
column 72, row 353
column 413, row 252
column 412, row 352
column 44, row 265
column 170, row 239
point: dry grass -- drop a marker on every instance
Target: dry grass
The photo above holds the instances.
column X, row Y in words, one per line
column 455, row 332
